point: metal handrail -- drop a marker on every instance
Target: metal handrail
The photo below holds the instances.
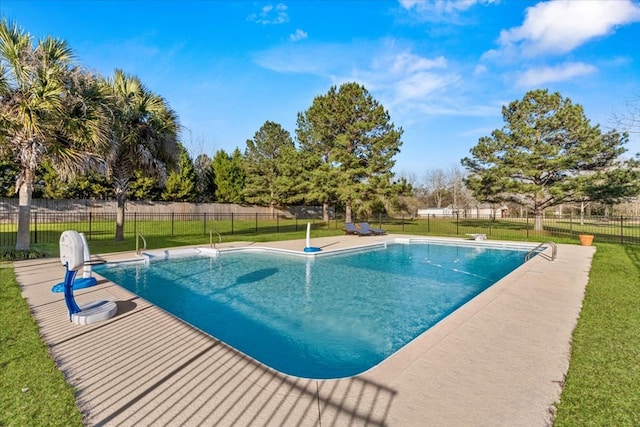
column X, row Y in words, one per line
column 554, row 251
column 211, row 244
column 144, row 241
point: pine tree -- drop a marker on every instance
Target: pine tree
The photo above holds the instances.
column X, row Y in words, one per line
column 348, row 139
column 229, row 176
column 546, row 154
column 181, row 183
column 272, row 170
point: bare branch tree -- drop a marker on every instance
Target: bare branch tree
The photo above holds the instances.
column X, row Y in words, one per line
column 630, row 120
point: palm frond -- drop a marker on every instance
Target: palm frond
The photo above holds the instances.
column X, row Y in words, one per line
column 48, row 108
column 144, row 130
column 54, row 53
column 15, row 49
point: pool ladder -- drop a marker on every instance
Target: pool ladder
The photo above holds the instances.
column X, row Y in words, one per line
column 532, row 252
column 144, row 242
column 211, row 244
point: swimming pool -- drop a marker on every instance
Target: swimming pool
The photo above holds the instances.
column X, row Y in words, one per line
column 319, row 317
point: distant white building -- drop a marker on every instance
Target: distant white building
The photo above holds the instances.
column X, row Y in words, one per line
column 448, row 211
column 478, row 211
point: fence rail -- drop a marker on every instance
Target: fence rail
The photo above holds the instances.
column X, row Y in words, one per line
column 46, row 227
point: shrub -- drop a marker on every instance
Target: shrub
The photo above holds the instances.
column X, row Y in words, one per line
column 10, row 254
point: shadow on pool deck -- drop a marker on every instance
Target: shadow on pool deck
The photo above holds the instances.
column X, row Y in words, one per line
column 499, row 360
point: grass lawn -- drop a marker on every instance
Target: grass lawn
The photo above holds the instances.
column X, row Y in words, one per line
column 33, row 392
column 602, row 387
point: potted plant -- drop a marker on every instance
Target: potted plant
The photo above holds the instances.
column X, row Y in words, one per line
column 586, row 239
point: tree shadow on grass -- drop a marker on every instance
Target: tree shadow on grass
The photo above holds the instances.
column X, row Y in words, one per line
column 633, row 252
column 498, row 225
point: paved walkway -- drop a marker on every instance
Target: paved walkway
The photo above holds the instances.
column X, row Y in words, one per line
column 497, row 361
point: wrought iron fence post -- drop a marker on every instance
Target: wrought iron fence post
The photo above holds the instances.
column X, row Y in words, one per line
column 35, row 227
column 621, row 230
column 428, row 223
column 457, row 222
column 204, row 223
column 172, row 222
column 90, row 225
column 526, row 215
column 571, row 223
column 135, row 224
column 277, row 223
column 492, row 218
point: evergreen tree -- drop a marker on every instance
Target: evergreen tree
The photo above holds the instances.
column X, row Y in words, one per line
column 402, row 198
column 229, row 176
column 50, row 184
column 9, row 171
column 548, row 153
column 90, row 186
column 181, row 183
column 348, row 136
column 205, row 184
column 143, row 187
column 269, row 162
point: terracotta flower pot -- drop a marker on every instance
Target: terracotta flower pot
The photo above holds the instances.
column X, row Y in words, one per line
column 586, row 239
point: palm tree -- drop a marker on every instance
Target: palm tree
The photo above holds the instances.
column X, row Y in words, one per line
column 143, row 137
column 49, row 110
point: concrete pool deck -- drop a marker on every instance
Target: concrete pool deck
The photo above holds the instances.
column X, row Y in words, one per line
column 500, row 360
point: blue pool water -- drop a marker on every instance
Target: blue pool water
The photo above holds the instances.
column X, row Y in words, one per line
column 326, row 317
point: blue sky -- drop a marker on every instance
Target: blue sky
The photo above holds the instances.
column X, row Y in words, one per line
column 443, row 69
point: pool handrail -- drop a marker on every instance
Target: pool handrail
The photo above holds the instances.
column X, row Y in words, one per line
column 211, row 244
column 554, row 251
column 144, row 241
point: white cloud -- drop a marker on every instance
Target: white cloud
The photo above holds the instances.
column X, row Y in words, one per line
column 407, row 63
column 298, row 35
column 320, row 60
column 480, row 69
column 441, row 6
column 271, row 15
column 410, row 85
column 560, row 26
column 406, row 78
column 538, row 76
column 416, row 87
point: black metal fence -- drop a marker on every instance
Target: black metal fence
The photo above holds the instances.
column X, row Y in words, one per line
column 46, row 227
column 618, row 229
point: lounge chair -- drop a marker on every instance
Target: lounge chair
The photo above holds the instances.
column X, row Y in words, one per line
column 364, row 226
column 477, row 236
column 350, row 228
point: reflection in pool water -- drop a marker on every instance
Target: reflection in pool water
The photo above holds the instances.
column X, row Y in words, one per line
column 326, row 317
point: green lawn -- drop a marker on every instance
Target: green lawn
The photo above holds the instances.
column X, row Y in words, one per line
column 602, row 386
column 603, row 383
column 33, row 392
